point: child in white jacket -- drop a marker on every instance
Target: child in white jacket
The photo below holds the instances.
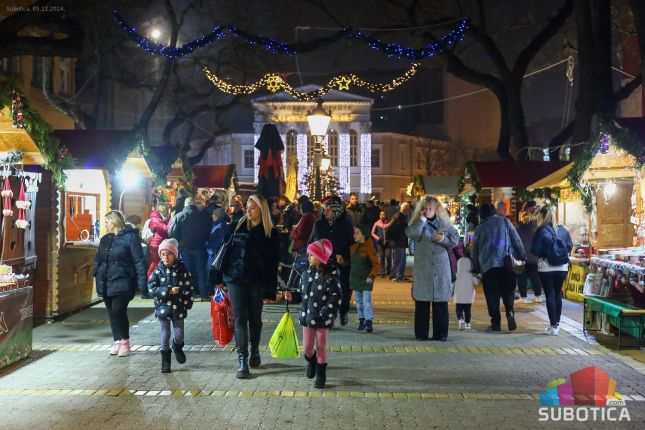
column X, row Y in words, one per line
column 465, row 291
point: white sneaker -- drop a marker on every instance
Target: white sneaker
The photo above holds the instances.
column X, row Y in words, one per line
column 552, row 331
column 527, row 301
column 537, row 299
column 115, row 348
column 462, row 324
column 467, row 326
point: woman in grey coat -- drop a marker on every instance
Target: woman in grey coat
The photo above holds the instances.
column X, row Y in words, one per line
column 434, row 236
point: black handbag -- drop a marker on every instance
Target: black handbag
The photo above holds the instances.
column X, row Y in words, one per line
column 511, row 263
column 221, row 254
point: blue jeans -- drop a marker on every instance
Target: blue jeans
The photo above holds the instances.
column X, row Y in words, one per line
column 364, row 304
column 195, row 261
column 398, row 265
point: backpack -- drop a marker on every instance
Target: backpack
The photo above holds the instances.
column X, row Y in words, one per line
column 557, row 253
column 146, row 233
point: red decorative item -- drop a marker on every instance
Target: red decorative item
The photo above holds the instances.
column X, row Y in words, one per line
column 22, row 204
column 7, row 194
column 18, row 120
column 222, row 318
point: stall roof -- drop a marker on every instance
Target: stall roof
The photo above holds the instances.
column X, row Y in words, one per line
column 521, row 174
column 557, row 179
column 18, row 138
column 95, row 149
column 441, row 185
column 214, row 176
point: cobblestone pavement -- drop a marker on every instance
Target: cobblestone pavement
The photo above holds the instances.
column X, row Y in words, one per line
column 385, row 379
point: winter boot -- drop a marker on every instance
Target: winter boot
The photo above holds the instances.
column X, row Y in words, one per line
column 255, row 360
column 321, row 375
column 344, row 318
column 510, row 317
column 243, row 370
column 124, row 347
column 311, row 365
column 368, row 326
column 179, row 353
column 165, row 361
column 361, row 324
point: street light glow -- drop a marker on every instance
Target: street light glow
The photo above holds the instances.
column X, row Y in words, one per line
column 155, row 33
column 128, row 178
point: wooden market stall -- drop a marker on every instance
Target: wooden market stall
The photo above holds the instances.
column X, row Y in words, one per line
column 21, row 174
column 219, row 179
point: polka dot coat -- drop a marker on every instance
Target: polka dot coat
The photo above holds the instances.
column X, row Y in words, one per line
column 321, row 297
column 171, row 306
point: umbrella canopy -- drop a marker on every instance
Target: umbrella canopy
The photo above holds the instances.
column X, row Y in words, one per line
column 271, row 181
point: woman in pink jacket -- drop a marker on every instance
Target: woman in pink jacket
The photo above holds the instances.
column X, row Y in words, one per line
column 159, row 220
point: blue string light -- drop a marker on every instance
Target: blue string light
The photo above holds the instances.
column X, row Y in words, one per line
column 390, row 49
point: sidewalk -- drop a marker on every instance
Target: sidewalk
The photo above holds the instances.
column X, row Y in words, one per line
column 381, row 380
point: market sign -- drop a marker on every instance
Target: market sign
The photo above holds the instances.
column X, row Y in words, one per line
column 16, row 324
column 575, row 282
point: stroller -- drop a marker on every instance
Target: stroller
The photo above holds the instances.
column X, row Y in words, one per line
column 292, row 284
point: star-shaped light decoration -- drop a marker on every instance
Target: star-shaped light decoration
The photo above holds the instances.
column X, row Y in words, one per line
column 343, row 83
column 274, row 83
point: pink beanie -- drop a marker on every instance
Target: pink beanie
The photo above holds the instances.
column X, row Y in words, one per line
column 170, row 245
column 321, row 249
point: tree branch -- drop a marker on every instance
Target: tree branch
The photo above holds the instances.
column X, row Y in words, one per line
column 627, row 89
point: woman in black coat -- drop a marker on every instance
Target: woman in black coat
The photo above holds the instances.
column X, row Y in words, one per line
column 250, row 270
column 120, row 270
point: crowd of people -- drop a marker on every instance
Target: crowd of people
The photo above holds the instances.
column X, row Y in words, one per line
column 338, row 249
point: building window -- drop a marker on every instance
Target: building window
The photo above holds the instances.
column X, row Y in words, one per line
column 249, row 158
column 353, row 148
column 37, row 71
column 332, row 141
column 402, row 155
column 10, row 66
column 292, row 139
column 64, row 78
column 376, row 157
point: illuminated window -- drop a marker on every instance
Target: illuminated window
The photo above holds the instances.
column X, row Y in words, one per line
column 353, row 148
column 332, row 138
column 292, row 138
column 249, row 160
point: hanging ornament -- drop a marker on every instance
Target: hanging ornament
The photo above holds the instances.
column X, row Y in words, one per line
column 605, row 141
column 7, row 194
column 17, row 118
column 23, row 205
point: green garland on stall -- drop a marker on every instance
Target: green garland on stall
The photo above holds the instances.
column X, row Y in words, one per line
column 57, row 158
column 470, row 175
column 622, row 138
column 540, row 193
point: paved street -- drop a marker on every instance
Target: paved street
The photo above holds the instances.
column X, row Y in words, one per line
column 381, row 380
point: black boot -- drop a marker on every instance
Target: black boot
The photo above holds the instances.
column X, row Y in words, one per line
column 368, row 326
column 179, row 352
column 255, row 360
column 510, row 317
column 344, row 318
column 321, row 375
column 361, row 324
column 243, row 370
column 311, row 365
column 165, row 361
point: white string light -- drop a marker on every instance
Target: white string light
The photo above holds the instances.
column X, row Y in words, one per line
column 366, row 163
column 301, row 152
column 256, row 158
column 284, row 155
column 343, row 163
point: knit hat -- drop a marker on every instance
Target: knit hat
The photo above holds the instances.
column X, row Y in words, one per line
column 365, row 229
column 306, row 206
column 336, row 206
column 321, row 249
column 220, row 212
column 170, row 245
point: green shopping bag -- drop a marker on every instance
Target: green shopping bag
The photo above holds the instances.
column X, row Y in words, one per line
column 284, row 342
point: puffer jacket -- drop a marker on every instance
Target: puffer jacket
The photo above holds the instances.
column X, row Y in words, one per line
column 253, row 258
column 526, row 232
column 340, row 233
column 543, row 240
column 494, row 237
column 119, row 265
column 395, row 232
column 171, row 306
column 159, row 227
column 321, row 298
column 364, row 264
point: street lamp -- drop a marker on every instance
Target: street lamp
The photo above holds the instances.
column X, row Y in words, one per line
column 155, row 33
column 128, row 179
column 318, row 120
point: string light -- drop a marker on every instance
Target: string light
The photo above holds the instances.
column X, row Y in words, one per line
column 274, row 82
column 366, row 163
column 343, row 163
column 301, row 152
column 278, row 47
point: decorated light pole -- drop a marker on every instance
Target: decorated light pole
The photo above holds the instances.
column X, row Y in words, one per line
column 318, row 120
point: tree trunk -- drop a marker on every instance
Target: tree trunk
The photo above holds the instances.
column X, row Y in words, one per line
column 517, row 122
column 504, row 140
column 601, row 15
column 638, row 10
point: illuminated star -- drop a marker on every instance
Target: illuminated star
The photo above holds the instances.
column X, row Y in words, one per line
column 274, row 83
column 343, row 83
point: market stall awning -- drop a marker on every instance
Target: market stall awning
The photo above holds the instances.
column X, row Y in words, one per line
column 441, row 185
column 557, row 179
column 97, row 149
column 520, row 174
column 18, row 139
column 215, row 176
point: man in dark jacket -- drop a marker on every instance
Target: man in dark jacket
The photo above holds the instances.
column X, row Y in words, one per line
column 398, row 242
column 191, row 228
column 334, row 226
column 370, row 214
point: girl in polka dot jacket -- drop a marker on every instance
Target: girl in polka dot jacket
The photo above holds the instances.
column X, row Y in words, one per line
column 171, row 286
column 321, row 298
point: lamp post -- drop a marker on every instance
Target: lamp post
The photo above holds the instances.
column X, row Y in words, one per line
column 318, row 120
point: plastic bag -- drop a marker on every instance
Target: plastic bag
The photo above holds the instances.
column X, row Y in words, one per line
column 222, row 318
column 284, row 342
